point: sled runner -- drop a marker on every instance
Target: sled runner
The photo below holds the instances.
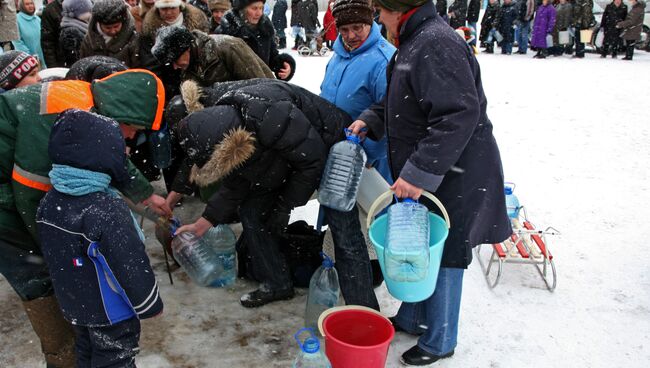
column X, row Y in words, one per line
column 526, row 245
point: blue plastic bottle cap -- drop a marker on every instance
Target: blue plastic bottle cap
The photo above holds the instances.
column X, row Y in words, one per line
column 409, row 200
column 507, row 190
column 311, row 345
column 353, row 138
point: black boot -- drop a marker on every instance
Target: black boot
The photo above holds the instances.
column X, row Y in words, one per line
column 629, row 51
column 489, row 48
column 282, row 44
column 265, row 295
column 415, row 356
column 295, row 43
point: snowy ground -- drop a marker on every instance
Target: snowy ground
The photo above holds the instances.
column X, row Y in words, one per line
column 574, row 136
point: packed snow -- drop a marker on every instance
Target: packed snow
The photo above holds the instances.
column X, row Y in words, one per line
column 574, row 137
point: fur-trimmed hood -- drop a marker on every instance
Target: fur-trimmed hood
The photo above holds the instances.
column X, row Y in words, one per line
column 216, row 143
column 193, row 19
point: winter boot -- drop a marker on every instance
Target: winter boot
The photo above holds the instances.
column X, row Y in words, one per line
column 629, row 51
column 489, row 48
column 265, row 295
column 55, row 333
column 296, row 43
column 282, row 44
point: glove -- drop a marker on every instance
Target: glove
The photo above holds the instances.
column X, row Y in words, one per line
column 278, row 220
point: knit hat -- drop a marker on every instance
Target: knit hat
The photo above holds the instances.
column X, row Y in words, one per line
column 14, row 67
column 171, row 43
column 76, row 8
column 110, row 11
column 169, row 4
column 219, row 5
column 352, row 11
column 241, row 4
column 400, row 5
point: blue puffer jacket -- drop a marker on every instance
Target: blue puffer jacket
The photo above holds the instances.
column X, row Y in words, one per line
column 355, row 80
column 99, row 268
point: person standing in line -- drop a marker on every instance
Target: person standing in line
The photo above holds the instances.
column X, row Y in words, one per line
column 218, row 8
column 583, row 19
column 74, row 26
column 473, row 12
column 457, row 14
column 525, row 12
column 507, row 17
column 8, row 25
column 50, row 29
column 440, row 140
column 542, row 28
column 564, row 13
column 632, row 26
column 615, row 12
column 489, row 25
column 329, row 26
column 29, row 27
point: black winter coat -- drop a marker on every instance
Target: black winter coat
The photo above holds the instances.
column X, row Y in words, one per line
column 70, row 38
column 260, row 39
column 277, row 137
column 473, row 10
column 50, row 29
column 507, row 17
column 279, row 16
column 100, row 270
column 612, row 15
column 459, row 10
column 439, row 135
column 304, row 13
column 441, row 7
column 490, row 20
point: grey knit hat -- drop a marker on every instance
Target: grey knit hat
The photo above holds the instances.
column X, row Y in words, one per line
column 76, row 8
column 400, row 5
column 171, row 43
column 352, row 11
column 111, row 11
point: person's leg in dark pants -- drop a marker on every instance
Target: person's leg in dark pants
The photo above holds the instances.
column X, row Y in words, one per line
column 268, row 262
column 352, row 260
column 440, row 313
column 114, row 346
column 629, row 49
column 580, row 45
column 83, row 347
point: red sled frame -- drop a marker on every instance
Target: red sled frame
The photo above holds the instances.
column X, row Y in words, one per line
column 526, row 245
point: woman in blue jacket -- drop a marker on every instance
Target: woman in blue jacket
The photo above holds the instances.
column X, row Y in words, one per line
column 29, row 27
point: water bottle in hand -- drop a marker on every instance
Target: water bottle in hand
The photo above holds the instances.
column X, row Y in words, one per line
column 406, row 254
column 340, row 182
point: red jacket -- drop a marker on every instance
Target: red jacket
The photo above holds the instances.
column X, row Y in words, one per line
column 329, row 26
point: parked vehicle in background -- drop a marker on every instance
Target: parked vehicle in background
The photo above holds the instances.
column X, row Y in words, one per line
column 597, row 37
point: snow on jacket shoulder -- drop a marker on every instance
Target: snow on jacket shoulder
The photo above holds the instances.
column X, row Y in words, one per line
column 99, row 268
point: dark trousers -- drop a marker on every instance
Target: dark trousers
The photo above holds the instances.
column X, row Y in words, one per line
column 109, row 346
column 610, row 48
column 580, row 44
column 629, row 49
column 352, row 260
column 25, row 271
column 268, row 263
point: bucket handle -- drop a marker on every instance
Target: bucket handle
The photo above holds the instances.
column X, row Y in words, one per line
column 329, row 311
column 374, row 208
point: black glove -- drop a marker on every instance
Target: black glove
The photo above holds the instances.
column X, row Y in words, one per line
column 278, row 220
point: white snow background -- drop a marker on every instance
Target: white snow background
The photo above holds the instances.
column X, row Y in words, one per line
column 574, row 136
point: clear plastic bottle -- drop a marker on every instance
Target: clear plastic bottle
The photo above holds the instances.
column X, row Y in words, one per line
column 512, row 202
column 310, row 356
column 210, row 260
column 406, row 253
column 223, row 240
column 323, row 292
column 340, row 182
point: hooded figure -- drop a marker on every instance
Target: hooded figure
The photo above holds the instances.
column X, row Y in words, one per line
column 50, row 29
column 74, row 26
column 111, row 32
column 259, row 35
column 263, row 147
column 94, row 67
column 134, row 98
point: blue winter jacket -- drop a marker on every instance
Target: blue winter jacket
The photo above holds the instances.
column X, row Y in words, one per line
column 100, row 271
column 29, row 27
column 355, row 80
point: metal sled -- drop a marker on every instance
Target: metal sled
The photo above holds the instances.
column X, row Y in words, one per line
column 526, row 245
column 314, row 47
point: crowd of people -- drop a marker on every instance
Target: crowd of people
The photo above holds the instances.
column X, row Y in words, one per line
column 210, row 78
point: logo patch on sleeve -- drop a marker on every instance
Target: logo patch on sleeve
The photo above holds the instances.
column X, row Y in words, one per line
column 77, row 262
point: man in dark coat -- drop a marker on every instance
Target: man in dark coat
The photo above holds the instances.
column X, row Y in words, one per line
column 50, row 29
column 615, row 12
column 457, row 14
column 271, row 161
column 583, row 18
column 489, row 24
column 473, row 12
column 507, row 17
column 279, row 19
column 525, row 12
column 632, row 27
column 440, row 140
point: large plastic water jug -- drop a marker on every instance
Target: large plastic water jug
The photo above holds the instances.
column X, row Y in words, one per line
column 311, row 355
column 210, row 260
column 512, row 202
column 323, row 292
column 406, row 254
column 340, row 183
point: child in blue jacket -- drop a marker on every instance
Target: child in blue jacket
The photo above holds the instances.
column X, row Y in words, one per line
column 90, row 241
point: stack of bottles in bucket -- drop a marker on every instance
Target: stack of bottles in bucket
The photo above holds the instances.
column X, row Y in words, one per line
column 310, row 355
column 210, row 259
column 323, row 292
column 406, row 254
column 342, row 175
column 512, row 202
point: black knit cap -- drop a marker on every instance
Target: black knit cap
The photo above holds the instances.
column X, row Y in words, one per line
column 352, row 11
column 110, row 11
column 171, row 43
column 400, row 5
column 241, row 4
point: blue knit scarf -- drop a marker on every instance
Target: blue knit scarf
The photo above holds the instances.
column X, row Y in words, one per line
column 78, row 182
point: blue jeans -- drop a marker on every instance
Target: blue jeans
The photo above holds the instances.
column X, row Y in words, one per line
column 522, row 36
column 506, row 47
column 437, row 316
column 352, row 259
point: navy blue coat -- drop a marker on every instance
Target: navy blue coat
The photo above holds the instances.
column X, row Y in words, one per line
column 439, row 135
column 100, row 271
column 507, row 19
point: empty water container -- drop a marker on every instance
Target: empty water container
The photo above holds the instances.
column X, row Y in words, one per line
column 340, row 183
column 512, row 202
column 210, row 260
column 406, row 254
column 323, row 292
column 310, row 355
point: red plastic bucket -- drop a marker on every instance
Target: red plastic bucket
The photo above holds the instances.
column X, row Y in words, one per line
column 356, row 338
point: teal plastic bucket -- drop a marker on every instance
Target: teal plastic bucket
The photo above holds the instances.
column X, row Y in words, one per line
column 412, row 292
